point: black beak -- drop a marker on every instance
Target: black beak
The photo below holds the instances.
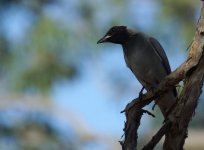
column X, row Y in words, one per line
column 103, row 39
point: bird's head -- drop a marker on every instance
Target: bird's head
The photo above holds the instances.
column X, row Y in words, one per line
column 116, row 34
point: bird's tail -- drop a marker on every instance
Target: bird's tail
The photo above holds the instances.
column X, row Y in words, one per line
column 165, row 102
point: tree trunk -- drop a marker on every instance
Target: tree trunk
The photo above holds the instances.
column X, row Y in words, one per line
column 188, row 99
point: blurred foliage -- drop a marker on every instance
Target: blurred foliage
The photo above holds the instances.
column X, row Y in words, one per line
column 4, row 52
column 45, row 48
column 183, row 12
column 39, row 59
column 29, row 130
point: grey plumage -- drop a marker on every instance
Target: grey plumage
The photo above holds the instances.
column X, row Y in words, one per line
column 146, row 58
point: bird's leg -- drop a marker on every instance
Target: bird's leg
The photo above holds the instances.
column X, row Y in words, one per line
column 141, row 93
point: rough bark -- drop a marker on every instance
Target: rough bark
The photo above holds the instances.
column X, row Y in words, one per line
column 176, row 125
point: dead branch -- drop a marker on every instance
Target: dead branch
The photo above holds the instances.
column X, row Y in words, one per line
column 192, row 71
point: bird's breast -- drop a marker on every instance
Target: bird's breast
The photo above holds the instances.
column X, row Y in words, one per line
column 143, row 62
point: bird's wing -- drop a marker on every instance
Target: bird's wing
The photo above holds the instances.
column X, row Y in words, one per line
column 160, row 53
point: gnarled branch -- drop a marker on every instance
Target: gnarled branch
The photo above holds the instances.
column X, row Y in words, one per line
column 192, row 71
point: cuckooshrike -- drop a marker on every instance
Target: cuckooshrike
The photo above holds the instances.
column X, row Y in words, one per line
column 146, row 59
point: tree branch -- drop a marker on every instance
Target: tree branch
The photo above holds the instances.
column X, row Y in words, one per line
column 192, row 70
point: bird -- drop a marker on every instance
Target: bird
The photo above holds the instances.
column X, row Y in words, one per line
column 146, row 58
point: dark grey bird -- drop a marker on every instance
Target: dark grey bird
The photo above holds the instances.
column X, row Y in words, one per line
column 146, row 59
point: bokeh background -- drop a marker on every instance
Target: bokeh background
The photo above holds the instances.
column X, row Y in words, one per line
column 59, row 90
